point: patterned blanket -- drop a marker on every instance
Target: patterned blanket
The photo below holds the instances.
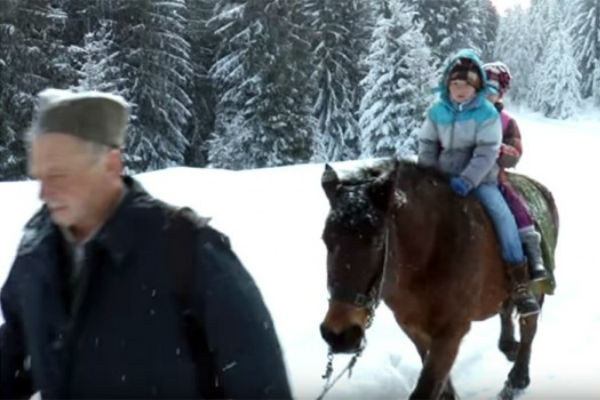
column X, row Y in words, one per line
column 542, row 206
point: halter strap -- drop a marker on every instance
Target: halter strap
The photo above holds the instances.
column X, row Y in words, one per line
column 371, row 299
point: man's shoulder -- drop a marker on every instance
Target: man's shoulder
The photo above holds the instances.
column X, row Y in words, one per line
column 35, row 230
column 187, row 216
column 186, row 219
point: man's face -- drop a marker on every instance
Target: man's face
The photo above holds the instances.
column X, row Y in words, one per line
column 461, row 91
column 71, row 177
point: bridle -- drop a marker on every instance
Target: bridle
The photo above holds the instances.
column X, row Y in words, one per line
column 372, row 298
column 370, row 301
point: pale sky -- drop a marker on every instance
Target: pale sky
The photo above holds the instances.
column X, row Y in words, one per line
column 502, row 5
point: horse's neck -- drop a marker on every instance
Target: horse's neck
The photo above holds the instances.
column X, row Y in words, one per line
column 433, row 223
column 414, row 233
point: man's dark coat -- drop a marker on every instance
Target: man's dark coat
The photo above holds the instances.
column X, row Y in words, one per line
column 124, row 331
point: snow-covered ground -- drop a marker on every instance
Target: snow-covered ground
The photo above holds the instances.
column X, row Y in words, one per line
column 274, row 218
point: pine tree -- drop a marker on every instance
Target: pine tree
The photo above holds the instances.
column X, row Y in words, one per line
column 586, row 32
column 488, row 20
column 30, row 60
column 154, row 61
column 514, row 47
column 99, row 70
column 337, row 48
column 558, row 90
column 262, row 115
column 550, row 18
column 397, row 87
column 449, row 25
column 203, row 46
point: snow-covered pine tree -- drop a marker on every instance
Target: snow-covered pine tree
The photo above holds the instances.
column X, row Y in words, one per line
column 339, row 27
column 154, row 60
column 200, row 89
column 398, row 85
column 541, row 23
column 586, row 35
column 449, row 25
column 514, row 47
column 558, row 78
column 543, row 20
column 263, row 116
column 30, row 49
column 550, row 18
column 99, row 70
column 488, row 20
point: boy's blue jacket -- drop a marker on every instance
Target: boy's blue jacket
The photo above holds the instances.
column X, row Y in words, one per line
column 462, row 139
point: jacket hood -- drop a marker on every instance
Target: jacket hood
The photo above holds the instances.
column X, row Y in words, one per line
column 471, row 55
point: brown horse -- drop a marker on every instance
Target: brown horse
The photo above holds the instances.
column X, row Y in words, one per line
column 397, row 232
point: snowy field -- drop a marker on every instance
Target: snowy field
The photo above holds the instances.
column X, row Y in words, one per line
column 274, row 218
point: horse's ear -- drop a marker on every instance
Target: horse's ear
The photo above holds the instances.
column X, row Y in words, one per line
column 330, row 182
column 382, row 188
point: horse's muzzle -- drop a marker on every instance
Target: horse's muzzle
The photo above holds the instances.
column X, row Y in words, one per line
column 347, row 341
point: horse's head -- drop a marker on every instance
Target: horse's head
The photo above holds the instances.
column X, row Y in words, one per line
column 355, row 236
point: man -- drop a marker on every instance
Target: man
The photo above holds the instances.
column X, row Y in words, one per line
column 116, row 294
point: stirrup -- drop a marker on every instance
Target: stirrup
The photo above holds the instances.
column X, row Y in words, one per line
column 539, row 275
column 526, row 307
column 525, row 303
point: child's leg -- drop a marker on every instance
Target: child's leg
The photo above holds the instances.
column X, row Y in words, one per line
column 506, row 228
column 517, row 205
column 529, row 236
column 512, row 250
column 532, row 241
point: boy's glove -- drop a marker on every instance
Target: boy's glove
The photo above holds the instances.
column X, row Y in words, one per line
column 460, row 186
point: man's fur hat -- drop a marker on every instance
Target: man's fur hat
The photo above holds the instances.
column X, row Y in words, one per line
column 93, row 116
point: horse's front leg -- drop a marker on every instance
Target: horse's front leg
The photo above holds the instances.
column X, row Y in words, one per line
column 519, row 374
column 434, row 380
column 507, row 343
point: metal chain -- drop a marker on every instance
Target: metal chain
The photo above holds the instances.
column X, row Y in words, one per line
column 329, row 370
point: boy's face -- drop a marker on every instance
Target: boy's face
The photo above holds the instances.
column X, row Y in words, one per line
column 461, row 91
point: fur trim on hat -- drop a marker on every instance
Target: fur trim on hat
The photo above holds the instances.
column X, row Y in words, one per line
column 466, row 70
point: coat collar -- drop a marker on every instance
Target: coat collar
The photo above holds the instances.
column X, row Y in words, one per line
column 114, row 236
column 475, row 102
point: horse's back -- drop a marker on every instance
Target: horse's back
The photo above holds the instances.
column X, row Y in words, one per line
column 543, row 208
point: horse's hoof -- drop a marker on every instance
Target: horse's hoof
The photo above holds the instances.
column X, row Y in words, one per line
column 447, row 396
column 518, row 380
column 508, row 392
column 510, row 348
column 448, row 393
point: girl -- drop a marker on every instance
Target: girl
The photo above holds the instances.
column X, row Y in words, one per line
column 498, row 79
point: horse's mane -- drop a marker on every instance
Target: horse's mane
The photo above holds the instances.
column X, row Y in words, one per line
column 406, row 169
column 355, row 212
